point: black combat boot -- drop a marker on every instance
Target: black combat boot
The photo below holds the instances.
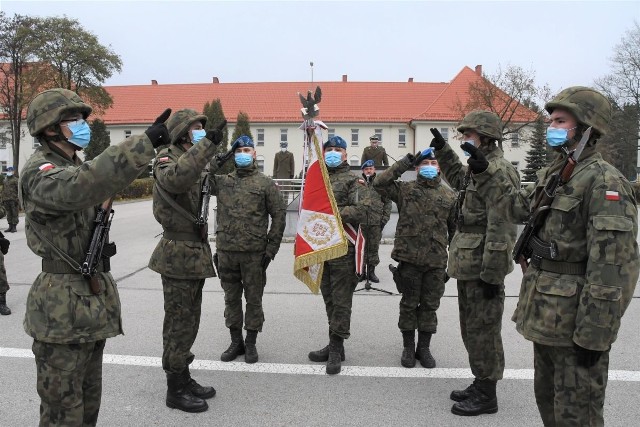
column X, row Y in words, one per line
column 236, row 348
column 11, row 229
column 482, row 401
column 322, row 355
column 408, row 358
column 203, row 392
column 460, row 395
column 422, row 352
column 336, row 349
column 179, row 396
column 372, row 274
column 251, row 352
column 4, row 310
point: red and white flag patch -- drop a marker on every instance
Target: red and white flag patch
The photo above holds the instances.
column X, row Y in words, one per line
column 163, row 159
column 46, row 167
column 612, row 195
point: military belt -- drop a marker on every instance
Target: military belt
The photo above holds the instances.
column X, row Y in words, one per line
column 182, row 236
column 473, row 229
column 559, row 267
column 61, row 267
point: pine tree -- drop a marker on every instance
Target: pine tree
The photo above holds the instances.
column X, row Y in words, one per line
column 99, row 142
column 243, row 126
column 215, row 116
column 537, row 155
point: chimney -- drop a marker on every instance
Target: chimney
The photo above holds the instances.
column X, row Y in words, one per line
column 344, row 77
column 479, row 70
column 410, row 79
column 154, row 83
column 215, row 80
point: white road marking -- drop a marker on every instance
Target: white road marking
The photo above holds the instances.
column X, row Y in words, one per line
column 318, row 369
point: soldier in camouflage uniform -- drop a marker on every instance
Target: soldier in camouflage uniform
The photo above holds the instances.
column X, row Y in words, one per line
column 377, row 217
column 70, row 323
column 339, row 278
column 480, row 258
column 572, row 298
column 283, row 163
column 10, row 200
column 425, row 227
column 4, row 284
column 375, row 152
column 183, row 255
column 245, row 244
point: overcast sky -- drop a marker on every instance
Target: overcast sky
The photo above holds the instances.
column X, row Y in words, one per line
column 564, row 43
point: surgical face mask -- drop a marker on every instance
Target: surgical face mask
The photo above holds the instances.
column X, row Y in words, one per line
column 197, row 135
column 470, row 141
column 9, row 173
column 556, row 137
column 428, row 171
column 243, row 159
column 333, row 158
column 283, row 149
column 80, row 133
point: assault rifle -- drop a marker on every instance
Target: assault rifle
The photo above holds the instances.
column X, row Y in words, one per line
column 203, row 209
column 459, row 218
column 542, row 205
column 99, row 242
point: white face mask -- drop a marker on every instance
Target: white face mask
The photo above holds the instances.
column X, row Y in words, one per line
column 283, row 149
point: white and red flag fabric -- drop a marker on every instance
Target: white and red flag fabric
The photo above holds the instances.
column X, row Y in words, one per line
column 319, row 233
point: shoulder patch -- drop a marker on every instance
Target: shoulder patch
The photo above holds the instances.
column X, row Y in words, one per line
column 45, row 167
column 163, row 159
column 612, row 195
column 361, row 181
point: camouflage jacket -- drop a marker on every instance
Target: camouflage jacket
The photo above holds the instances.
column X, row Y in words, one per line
column 181, row 253
column 378, row 155
column 246, row 200
column 10, row 189
column 60, row 196
column 379, row 210
column 482, row 246
column 283, row 165
column 593, row 220
column 426, row 221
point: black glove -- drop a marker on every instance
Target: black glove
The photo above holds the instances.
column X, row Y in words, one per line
column 477, row 162
column 222, row 158
column 216, row 135
column 489, row 290
column 438, row 141
column 266, row 260
column 4, row 244
column 158, row 132
column 585, row 357
column 408, row 159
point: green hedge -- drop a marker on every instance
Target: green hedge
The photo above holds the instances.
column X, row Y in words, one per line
column 139, row 189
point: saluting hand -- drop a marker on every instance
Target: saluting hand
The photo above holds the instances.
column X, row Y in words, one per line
column 438, row 142
column 477, row 162
column 158, row 133
column 216, row 135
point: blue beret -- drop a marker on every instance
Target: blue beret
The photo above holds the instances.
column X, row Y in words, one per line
column 367, row 164
column 243, row 141
column 335, row 141
column 428, row 153
column 10, row 169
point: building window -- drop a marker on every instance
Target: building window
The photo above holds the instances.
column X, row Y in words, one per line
column 378, row 133
column 445, row 133
column 354, row 137
column 515, row 139
column 331, row 133
column 283, row 135
column 260, row 140
column 260, row 161
column 354, row 161
column 402, row 138
column 4, row 165
column 127, row 133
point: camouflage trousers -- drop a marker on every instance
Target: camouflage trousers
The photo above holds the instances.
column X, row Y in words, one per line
column 373, row 235
column 4, row 284
column 69, row 381
column 241, row 272
column 182, row 308
column 11, row 207
column 339, row 280
column 568, row 394
column 481, row 329
column 423, row 289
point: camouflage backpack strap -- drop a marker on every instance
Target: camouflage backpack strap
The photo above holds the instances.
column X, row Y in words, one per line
column 72, row 263
column 182, row 211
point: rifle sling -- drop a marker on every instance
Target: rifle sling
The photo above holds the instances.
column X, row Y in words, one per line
column 182, row 211
column 71, row 263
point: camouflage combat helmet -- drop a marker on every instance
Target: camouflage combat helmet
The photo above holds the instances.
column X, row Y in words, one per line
column 484, row 122
column 589, row 106
column 180, row 122
column 48, row 108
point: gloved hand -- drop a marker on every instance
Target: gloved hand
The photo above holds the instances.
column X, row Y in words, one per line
column 489, row 290
column 477, row 162
column 216, row 135
column 438, row 142
column 158, row 132
column 266, row 260
column 222, row 158
column 585, row 357
column 408, row 159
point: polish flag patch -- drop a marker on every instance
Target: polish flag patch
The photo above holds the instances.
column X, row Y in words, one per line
column 46, row 167
column 163, row 159
column 612, row 195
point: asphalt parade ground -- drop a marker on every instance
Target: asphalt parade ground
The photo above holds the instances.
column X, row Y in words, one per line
column 284, row 388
